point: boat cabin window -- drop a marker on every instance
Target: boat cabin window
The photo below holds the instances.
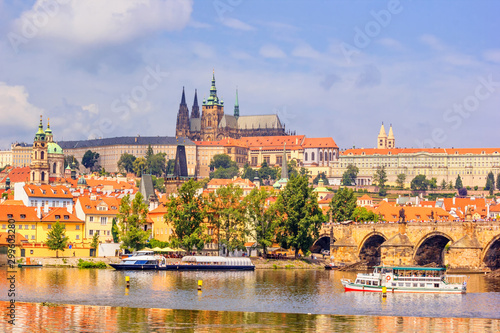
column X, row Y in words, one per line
column 436, row 285
column 362, row 281
column 422, row 285
column 375, row 283
column 368, row 282
column 393, row 284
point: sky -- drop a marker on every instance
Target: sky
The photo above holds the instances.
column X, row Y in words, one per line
column 327, row 68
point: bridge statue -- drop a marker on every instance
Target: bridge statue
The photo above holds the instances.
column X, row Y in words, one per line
column 402, row 216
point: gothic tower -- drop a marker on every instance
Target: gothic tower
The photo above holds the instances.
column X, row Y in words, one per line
column 391, row 141
column 382, row 138
column 39, row 157
column 212, row 113
column 195, row 111
column 182, row 127
column 236, row 106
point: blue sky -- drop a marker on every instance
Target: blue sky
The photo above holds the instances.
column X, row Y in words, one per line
column 327, row 68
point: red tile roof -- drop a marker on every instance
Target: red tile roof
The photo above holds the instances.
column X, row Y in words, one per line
column 319, row 143
column 18, row 175
column 48, row 191
column 293, row 142
column 16, row 212
column 397, row 151
column 90, row 206
column 60, row 214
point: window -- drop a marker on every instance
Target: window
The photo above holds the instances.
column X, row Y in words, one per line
column 77, row 227
column 77, row 236
column 9, row 216
column 20, row 227
column 49, row 226
column 32, row 238
column 312, row 156
column 23, row 216
column 91, row 232
column 4, row 226
column 104, row 220
column 33, row 227
column 66, row 217
column 58, row 217
column 91, row 219
column 26, row 226
column 279, row 159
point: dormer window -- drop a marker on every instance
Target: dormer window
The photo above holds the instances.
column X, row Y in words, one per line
column 44, row 192
column 23, row 216
column 58, row 217
column 10, row 216
column 66, row 217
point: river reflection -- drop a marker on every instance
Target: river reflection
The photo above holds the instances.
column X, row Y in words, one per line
column 32, row 317
column 281, row 291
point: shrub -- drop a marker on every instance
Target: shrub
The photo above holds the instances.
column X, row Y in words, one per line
column 90, row 264
column 275, row 266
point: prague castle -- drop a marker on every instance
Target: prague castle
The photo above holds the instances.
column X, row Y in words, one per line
column 214, row 125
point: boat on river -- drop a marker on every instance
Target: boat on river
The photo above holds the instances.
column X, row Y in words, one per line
column 408, row 280
column 188, row 263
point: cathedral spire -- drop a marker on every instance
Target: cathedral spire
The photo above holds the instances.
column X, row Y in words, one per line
column 195, row 111
column 183, row 100
column 236, row 105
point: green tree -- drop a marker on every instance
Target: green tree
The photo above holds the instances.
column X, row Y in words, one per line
column 444, row 185
column 69, row 159
column 458, row 183
column 380, row 177
column 490, row 183
column 140, row 165
column 350, row 175
column 115, row 231
column 126, row 162
column 56, row 238
column 95, row 243
column 90, row 159
column 267, row 173
column 132, row 218
column 400, row 180
column 320, row 175
column 248, row 172
column 343, row 205
column 361, row 214
column 450, row 185
column 419, row 183
column 433, row 183
column 149, row 153
column 159, row 184
column 227, row 214
column 224, row 167
column 186, row 212
column 262, row 214
column 299, row 215
column 156, row 164
column 169, row 168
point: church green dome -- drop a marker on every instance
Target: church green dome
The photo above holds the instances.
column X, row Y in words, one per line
column 82, row 181
column 54, row 148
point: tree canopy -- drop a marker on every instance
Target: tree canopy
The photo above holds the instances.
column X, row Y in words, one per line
column 262, row 214
column 126, row 162
column 380, row 177
column 319, row 176
column 419, row 183
column 90, row 159
column 140, row 165
column 343, row 205
column 224, row 167
column 186, row 211
column 400, row 180
column 132, row 218
column 299, row 215
column 490, row 183
column 56, row 238
column 248, row 172
column 266, row 173
column 350, row 175
column 458, row 183
column 69, row 159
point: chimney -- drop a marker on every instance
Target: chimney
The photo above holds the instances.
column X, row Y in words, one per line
column 70, row 208
column 46, row 209
column 39, row 212
column 453, row 200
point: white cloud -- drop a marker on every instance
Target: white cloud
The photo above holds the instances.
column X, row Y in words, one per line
column 390, row 43
column 271, row 51
column 111, row 21
column 492, row 55
column 306, row 51
column 433, row 42
column 236, row 24
column 15, row 109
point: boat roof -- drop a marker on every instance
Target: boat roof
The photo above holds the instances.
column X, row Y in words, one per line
column 140, row 257
column 404, row 268
column 216, row 259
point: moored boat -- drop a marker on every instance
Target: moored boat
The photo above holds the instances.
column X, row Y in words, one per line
column 408, row 279
column 188, row 263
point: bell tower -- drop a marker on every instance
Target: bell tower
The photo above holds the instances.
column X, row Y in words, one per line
column 382, row 138
column 182, row 127
column 212, row 113
column 39, row 157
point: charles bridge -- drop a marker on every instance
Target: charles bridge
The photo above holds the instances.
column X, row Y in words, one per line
column 468, row 245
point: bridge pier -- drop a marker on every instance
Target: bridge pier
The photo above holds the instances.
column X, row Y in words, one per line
column 397, row 251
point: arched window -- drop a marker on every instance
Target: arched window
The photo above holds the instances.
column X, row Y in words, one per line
column 33, row 176
column 312, row 156
column 305, row 156
column 36, row 155
column 320, row 154
column 326, row 156
column 54, row 168
column 43, row 175
column 41, row 155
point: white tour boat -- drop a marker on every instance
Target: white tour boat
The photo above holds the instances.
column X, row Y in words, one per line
column 407, row 279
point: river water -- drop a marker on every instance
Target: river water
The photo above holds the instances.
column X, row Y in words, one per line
column 304, row 299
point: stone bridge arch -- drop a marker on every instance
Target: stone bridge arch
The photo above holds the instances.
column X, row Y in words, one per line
column 369, row 248
column 490, row 255
column 322, row 243
column 430, row 249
